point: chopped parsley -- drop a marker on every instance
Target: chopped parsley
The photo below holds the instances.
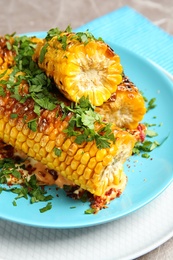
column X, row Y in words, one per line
column 28, row 189
column 82, row 125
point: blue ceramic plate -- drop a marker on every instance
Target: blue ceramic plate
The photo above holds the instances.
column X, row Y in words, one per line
column 147, row 178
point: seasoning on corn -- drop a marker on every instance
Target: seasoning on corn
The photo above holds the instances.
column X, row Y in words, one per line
column 80, row 65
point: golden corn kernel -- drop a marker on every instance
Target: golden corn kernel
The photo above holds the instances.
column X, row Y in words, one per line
column 38, row 137
column 92, row 163
column 85, row 158
column 43, row 152
column 56, row 162
column 69, row 170
column 7, row 129
column 31, row 153
column 14, row 133
column 108, row 158
column 2, row 124
column 101, row 154
column 80, row 169
column 24, row 147
column 62, row 157
column 36, row 147
column 60, row 139
column 30, row 143
column 87, row 173
column 74, row 164
column 93, row 150
column 50, row 145
column 44, row 140
column 99, row 167
column 79, row 154
column 62, row 166
column 66, row 145
column 21, row 137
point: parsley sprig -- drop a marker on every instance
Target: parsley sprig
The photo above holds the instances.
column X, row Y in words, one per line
column 83, row 123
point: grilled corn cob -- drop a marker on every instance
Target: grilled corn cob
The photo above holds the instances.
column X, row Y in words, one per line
column 93, row 169
column 80, row 67
column 126, row 107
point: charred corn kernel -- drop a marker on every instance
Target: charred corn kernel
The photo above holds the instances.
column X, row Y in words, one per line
column 85, row 158
column 80, row 69
column 80, row 169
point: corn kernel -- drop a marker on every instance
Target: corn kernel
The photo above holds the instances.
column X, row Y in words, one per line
column 66, row 145
column 25, row 147
column 7, row 129
column 31, row 153
column 68, row 159
column 101, row 154
column 92, row 162
column 21, row 137
column 80, row 169
column 60, row 139
column 74, row 164
column 79, row 154
column 44, row 140
column 85, row 158
column 62, row 166
column 107, row 159
column 99, row 167
column 87, row 173
column 62, row 157
column 43, row 152
column 30, row 143
column 69, row 170
column 93, row 150
column 38, row 137
column 50, row 145
column 14, row 133
column 36, row 147
column 72, row 149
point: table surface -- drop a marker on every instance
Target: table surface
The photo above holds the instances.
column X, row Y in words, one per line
column 28, row 16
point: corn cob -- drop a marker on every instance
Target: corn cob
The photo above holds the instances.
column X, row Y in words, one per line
column 80, row 68
column 126, row 107
column 91, row 168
